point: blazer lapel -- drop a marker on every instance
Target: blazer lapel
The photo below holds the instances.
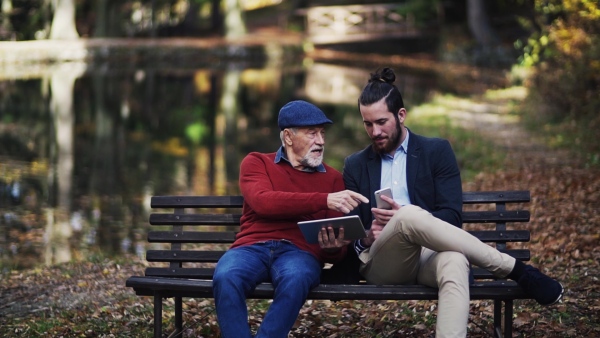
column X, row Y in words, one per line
column 374, row 171
column 412, row 164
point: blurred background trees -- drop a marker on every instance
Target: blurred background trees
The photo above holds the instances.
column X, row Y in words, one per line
column 555, row 42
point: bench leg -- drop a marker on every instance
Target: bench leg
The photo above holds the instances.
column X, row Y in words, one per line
column 498, row 318
column 506, row 329
column 508, row 320
column 157, row 315
column 178, row 317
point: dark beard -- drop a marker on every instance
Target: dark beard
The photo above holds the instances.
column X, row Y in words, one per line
column 395, row 142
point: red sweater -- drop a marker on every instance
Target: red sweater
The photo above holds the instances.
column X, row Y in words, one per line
column 277, row 197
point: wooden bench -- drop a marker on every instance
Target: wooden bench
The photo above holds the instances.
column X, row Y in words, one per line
column 189, row 266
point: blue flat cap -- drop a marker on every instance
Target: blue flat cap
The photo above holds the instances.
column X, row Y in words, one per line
column 300, row 114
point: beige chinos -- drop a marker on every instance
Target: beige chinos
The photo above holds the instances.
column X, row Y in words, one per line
column 417, row 248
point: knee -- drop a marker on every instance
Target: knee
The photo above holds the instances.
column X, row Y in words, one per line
column 452, row 267
column 219, row 277
column 220, row 281
column 228, row 281
column 407, row 219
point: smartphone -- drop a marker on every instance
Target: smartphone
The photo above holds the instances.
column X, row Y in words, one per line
column 381, row 204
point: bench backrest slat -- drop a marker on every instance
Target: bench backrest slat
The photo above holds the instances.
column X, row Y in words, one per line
column 495, row 216
column 194, row 256
column 501, row 236
column 196, row 201
column 191, row 237
column 195, row 219
column 517, row 196
column 197, row 273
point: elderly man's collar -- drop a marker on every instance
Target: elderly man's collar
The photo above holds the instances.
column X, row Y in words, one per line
column 281, row 155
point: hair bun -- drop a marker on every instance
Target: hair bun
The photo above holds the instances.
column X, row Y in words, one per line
column 387, row 76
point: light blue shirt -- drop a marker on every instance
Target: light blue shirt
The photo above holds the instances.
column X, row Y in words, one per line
column 393, row 173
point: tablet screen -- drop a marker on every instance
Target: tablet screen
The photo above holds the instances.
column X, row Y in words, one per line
column 353, row 228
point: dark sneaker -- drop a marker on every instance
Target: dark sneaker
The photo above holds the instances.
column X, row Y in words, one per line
column 542, row 288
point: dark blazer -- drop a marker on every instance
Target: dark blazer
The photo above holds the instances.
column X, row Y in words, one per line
column 433, row 180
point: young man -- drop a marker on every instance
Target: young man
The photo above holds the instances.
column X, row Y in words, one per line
column 419, row 241
column 280, row 189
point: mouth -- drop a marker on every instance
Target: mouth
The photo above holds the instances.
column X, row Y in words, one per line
column 379, row 140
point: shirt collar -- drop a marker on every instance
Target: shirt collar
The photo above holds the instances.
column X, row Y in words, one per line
column 402, row 148
column 281, row 155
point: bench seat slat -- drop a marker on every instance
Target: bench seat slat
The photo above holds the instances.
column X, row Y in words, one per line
column 170, row 287
column 191, row 237
column 207, row 273
column 495, row 216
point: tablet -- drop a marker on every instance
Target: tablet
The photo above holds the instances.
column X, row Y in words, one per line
column 353, row 227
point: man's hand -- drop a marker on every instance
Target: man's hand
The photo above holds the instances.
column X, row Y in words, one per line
column 328, row 241
column 383, row 216
column 373, row 233
column 345, row 201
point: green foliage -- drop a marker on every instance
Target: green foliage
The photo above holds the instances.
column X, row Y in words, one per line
column 565, row 83
column 29, row 19
column 421, row 10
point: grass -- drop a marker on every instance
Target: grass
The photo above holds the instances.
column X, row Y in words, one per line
column 474, row 151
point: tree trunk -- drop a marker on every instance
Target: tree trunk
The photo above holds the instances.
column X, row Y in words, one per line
column 63, row 22
column 229, row 106
column 215, row 16
column 479, row 23
column 235, row 26
column 62, row 83
column 190, row 21
column 100, row 29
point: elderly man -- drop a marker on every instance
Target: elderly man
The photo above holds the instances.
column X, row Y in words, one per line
column 280, row 189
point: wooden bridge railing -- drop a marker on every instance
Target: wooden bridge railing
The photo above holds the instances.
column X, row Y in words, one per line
column 337, row 24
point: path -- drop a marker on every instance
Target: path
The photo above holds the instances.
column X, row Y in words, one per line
column 492, row 118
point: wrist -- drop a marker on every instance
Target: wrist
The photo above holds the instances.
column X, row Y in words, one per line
column 364, row 242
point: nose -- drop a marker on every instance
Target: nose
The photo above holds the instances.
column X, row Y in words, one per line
column 376, row 130
column 320, row 139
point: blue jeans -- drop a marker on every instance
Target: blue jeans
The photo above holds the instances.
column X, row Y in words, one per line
column 293, row 273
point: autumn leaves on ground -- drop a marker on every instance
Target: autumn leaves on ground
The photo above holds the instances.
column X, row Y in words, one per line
column 90, row 299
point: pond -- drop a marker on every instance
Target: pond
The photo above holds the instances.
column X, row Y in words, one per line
column 85, row 145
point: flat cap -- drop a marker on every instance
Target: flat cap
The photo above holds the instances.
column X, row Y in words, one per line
column 300, row 114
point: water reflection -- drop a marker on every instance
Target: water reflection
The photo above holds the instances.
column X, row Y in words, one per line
column 85, row 146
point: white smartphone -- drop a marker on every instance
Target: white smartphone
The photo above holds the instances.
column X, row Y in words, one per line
column 381, row 204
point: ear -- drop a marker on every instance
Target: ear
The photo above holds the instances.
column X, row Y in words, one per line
column 402, row 115
column 287, row 137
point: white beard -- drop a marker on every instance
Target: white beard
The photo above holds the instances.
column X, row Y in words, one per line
column 310, row 161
